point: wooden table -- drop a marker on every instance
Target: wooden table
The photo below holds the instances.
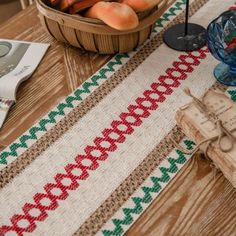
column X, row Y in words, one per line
column 195, row 203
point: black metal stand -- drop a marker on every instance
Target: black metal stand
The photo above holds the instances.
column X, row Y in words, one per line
column 185, row 36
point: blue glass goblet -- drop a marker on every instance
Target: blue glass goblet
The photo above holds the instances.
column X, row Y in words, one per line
column 221, row 41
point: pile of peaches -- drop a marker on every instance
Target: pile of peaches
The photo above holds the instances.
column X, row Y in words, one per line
column 119, row 14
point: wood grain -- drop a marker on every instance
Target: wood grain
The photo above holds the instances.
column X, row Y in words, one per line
column 194, row 203
column 62, row 70
column 25, row 3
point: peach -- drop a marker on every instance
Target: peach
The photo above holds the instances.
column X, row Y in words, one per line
column 140, row 5
column 117, row 15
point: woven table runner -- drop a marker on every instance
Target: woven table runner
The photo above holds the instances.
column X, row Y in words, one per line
column 96, row 162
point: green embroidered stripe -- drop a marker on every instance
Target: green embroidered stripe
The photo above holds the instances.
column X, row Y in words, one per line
column 232, row 94
column 171, row 12
column 76, row 96
column 147, row 197
column 59, row 110
column 165, row 178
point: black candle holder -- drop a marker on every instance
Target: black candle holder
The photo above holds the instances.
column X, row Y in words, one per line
column 185, row 36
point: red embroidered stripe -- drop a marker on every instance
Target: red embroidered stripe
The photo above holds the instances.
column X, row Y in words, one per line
column 103, row 145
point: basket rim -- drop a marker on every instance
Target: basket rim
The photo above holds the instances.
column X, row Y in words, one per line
column 95, row 26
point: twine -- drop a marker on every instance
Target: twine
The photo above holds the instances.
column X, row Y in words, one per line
column 222, row 131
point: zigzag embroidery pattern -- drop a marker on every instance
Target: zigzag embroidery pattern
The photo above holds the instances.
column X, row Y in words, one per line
column 140, row 109
column 137, row 209
column 232, row 94
column 59, row 110
column 147, row 198
column 167, row 15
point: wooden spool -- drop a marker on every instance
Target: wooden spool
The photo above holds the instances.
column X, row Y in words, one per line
column 92, row 34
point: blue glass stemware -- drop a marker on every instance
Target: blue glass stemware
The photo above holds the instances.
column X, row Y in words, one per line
column 221, row 41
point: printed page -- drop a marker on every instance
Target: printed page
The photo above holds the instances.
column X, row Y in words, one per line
column 18, row 60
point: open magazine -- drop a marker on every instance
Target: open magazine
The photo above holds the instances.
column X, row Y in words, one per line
column 18, row 61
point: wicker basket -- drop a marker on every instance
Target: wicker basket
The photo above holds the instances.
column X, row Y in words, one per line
column 92, row 34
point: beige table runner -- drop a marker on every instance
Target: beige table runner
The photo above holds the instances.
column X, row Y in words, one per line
column 96, row 162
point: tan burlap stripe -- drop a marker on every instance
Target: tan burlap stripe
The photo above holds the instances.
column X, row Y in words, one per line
column 131, row 183
column 134, row 180
column 25, row 159
column 141, row 173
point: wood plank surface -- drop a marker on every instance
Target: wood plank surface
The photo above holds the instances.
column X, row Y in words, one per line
column 65, row 69
column 194, row 203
